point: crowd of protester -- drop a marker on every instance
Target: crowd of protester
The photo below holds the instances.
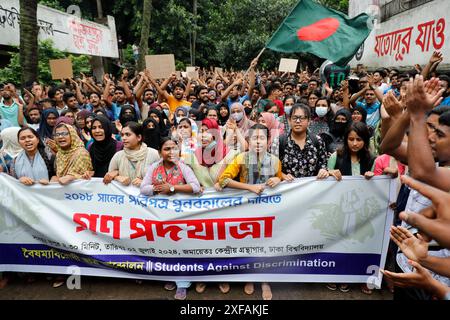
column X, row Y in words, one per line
column 250, row 130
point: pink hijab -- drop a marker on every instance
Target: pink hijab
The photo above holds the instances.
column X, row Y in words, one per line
column 206, row 157
column 275, row 127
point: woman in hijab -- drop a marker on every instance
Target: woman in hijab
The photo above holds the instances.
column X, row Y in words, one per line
column 237, row 128
column 72, row 159
column 48, row 123
column 10, row 148
column 127, row 113
column 224, row 113
column 104, row 147
column 82, row 125
column 152, row 135
column 334, row 139
column 180, row 113
column 275, row 131
column 161, row 120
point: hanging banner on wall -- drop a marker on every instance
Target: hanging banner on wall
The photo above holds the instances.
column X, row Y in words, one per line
column 68, row 32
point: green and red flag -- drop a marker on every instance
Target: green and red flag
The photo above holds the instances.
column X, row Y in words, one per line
column 324, row 32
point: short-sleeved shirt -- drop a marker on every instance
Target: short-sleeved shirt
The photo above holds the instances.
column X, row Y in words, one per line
column 373, row 112
column 304, row 162
column 240, row 100
column 115, row 107
column 10, row 113
column 175, row 103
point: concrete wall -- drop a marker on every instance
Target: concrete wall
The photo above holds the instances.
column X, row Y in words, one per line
column 405, row 39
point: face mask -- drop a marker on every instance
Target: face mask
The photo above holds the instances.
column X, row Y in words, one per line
column 166, row 111
column 237, row 116
column 339, row 128
column 288, row 109
column 321, row 111
column 179, row 119
column 127, row 117
column 248, row 110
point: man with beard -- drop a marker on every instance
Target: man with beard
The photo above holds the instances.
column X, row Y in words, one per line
column 122, row 96
column 33, row 117
column 56, row 95
column 202, row 100
column 177, row 99
column 11, row 109
column 444, row 83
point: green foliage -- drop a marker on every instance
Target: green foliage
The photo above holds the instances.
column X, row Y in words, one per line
column 12, row 72
column 229, row 33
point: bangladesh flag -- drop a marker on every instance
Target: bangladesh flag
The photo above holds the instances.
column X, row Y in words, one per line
column 327, row 33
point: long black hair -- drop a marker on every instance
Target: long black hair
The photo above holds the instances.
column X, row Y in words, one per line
column 344, row 163
column 41, row 149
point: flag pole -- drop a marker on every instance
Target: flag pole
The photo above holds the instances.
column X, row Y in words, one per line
column 257, row 57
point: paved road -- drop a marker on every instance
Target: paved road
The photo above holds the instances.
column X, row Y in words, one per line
column 109, row 288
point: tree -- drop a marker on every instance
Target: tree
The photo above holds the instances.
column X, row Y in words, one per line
column 145, row 31
column 46, row 51
column 28, row 40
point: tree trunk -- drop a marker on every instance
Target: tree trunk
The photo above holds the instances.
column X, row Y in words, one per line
column 28, row 40
column 145, row 32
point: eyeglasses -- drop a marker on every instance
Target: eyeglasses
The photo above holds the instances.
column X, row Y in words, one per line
column 299, row 119
column 61, row 134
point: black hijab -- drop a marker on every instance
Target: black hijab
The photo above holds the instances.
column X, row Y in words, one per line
column 163, row 128
column 338, row 129
column 102, row 151
column 152, row 137
column 123, row 118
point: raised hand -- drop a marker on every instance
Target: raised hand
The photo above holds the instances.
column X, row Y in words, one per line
column 433, row 221
column 392, row 105
column 422, row 97
column 436, row 57
column 415, row 249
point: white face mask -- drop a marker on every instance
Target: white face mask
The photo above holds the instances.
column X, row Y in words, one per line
column 321, row 111
column 179, row 119
column 237, row 116
column 288, row 109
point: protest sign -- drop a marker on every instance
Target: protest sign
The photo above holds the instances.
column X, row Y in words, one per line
column 160, row 65
column 288, row 65
column 192, row 73
column 61, row 69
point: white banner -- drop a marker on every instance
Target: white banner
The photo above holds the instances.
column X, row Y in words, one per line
column 407, row 38
column 68, row 32
column 305, row 231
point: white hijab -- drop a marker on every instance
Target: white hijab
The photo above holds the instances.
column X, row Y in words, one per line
column 11, row 144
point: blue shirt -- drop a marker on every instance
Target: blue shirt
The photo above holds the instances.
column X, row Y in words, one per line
column 240, row 100
column 373, row 112
column 10, row 113
column 117, row 107
column 445, row 102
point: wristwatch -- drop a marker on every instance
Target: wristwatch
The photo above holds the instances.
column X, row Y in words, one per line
column 172, row 189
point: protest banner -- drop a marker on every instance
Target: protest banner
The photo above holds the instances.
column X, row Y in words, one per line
column 218, row 70
column 305, row 231
column 160, row 65
column 61, row 69
column 67, row 32
column 288, row 65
